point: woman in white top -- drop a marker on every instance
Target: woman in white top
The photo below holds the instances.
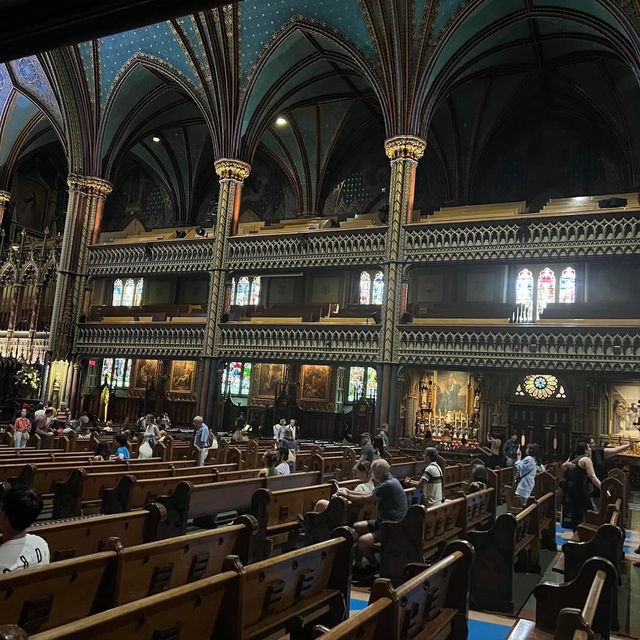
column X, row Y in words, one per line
column 282, row 468
column 362, row 471
column 150, row 436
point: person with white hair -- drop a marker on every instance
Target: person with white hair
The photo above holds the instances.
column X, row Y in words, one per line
column 201, row 440
column 392, row 505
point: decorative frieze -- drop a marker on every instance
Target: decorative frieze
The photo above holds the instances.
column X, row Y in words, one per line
column 525, row 239
column 302, row 343
column 609, row 349
column 322, row 249
column 25, row 346
column 170, row 257
column 136, row 339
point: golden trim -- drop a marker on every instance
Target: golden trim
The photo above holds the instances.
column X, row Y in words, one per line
column 231, row 169
column 405, row 147
column 5, row 196
column 90, row 185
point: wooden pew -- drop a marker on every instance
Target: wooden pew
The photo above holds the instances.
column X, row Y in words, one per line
column 83, row 536
column 497, row 549
column 612, row 494
column 499, row 478
column 292, row 592
column 150, row 568
column 191, row 611
column 205, row 503
column 576, row 610
column 431, row 604
column 424, row 531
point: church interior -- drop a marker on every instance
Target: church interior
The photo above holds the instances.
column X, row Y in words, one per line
column 414, row 216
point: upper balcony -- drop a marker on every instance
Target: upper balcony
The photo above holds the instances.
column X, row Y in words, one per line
column 182, row 337
column 307, row 242
column 563, row 228
column 572, row 345
column 315, row 342
column 161, row 251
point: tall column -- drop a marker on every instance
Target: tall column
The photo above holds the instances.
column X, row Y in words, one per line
column 232, row 174
column 86, row 197
column 404, row 153
column 5, row 197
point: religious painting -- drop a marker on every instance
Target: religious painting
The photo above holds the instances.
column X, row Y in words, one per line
column 625, row 409
column 30, row 198
column 145, row 376
column 315, row 382
column 270, row 377
column 451, row 391
column 183, row 376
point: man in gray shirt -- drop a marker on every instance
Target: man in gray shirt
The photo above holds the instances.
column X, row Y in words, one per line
column 392, row 505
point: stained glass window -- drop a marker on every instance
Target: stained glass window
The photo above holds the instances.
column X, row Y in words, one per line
column 359, row 376
column 235, row 378
column 378, row 288
column 365, row 288
column 372, row 382
column 246, row 379
column 232, row 298
column 546, row 290
column 541, row 386
column 254, row 298
column 128, row 292
column 242, row 292
column 356, row 380
column 567, row 289
column 137, row 296
column 107, row 369
column 524, row 293
column 116, row 299
column 117, row 371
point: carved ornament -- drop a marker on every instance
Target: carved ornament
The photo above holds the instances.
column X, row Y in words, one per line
column 231, row 169
column 405, row 147
column 90, row 185
column 5, row 196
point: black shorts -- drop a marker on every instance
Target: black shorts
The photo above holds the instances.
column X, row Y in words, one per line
column 374, row 529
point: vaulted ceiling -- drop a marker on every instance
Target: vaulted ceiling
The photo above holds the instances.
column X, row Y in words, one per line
column 483, row 81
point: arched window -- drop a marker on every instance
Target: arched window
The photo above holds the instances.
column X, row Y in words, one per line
column 242, row 292
column 116, row 299
column 137, row 296
column 524, row 292
column 365, row 288
column 372, row 382
column 117, row 371
column 378, row 288
column 232, row 297
column 254, row 298
column 567, row 293
column 546, row 289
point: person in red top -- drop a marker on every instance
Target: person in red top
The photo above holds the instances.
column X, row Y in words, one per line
column 21, row 428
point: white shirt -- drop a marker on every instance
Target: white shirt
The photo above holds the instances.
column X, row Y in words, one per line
column 278, row 431
column 23, row 553
column 283, row 469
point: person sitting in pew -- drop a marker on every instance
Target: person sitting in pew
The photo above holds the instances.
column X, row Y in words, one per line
column 526, row 470
column 391, row 503
column 430, row 483
column 283, row 468
column 122, row 452
column 102, row 452
column 269, row 460
column 20, row 550
column 362, row 472
column 479, row 479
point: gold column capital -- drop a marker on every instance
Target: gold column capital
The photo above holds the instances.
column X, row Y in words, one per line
column 232, row 169
column 5, row 196
column 90, row 185
column 405, row 147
